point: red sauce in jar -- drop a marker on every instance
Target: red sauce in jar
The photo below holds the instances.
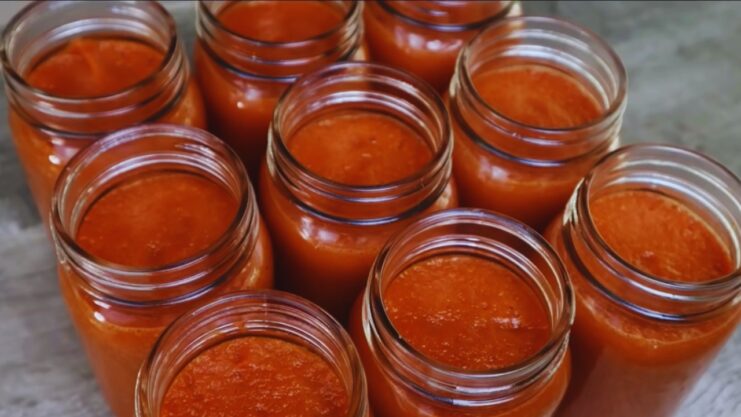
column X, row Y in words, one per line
column 660, row 236
column 168, row 218
column 529, row 96
column 538, row 95
column 353, row 148
column 626, row 363
column 467, row 312
column 256, row 376
column 93, row 67
column 359, row 148
column 280, row 21
column 149, row 222
column 241, row 101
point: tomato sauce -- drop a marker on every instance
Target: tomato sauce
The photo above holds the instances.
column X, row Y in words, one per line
column 532, row 96
column 374, row 149
column 538, row 95
column 162, row 225
column 631, row 364
column 241, row 96
column 330, row 260
column 425, row 37
column 251, row 376
column 91, row 68
column 467, row 313
column 146, row 222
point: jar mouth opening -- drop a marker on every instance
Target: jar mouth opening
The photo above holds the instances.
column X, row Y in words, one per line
column 201, row 143
column 448, row 27
column 11, row 71
column 381, row 74
column 560, row 305
column 554, row 26
column 351, row 14
column 582, row 207
column 256, row 313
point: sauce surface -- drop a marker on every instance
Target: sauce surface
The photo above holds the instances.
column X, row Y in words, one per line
column 280, row 21
column 359, row 148
column 256, row 376
column 157, row 220
column 537, row 95
column 467, row 312
column 95, row 66
column 660, row 236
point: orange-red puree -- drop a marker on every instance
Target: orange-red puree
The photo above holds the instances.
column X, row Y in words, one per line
column 408, row 37
column 660, row 236
column 529, row 95
column 89, row 67
column 375, row 149
column 241, row 106
column 280, row 21
column 467, row 312
column 256, row 376
column 624, row 363
column 147, row 222
column 538, row 95
column 169, row 217
column 330, row 260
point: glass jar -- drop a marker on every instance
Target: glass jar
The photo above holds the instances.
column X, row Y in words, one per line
column 267, row 315
column 120, row 310
column 640, row 341
column 328, row 232
column 242, row 78
column 425, row 37
column 404, row 382
column 49, row 128
column 524, row 171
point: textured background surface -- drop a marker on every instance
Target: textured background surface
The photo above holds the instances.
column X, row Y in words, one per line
column 684, row 65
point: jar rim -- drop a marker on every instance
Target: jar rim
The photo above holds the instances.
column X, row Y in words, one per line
column 64, row 238
column 431, row 178
column 388, row 72
column 449, row 27
column 582, row 206
column 261, row 300
column 551, row 352
column 617, row 104
column 352, row 13
column 10, row 71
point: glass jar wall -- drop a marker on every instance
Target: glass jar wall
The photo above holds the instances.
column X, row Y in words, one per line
column 243, row 68
column 76, row 71
column 535, row 102
column 651, row 240
column 356, row 151
column 148, row 223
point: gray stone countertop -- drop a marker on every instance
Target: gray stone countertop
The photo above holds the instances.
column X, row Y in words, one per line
column 684, row 66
